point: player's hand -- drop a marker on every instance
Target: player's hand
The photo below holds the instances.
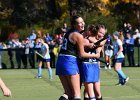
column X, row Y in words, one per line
column 97, row 55
column 6, row 92
column 93, row 45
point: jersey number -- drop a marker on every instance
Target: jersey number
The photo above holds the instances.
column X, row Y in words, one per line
column 64, row 44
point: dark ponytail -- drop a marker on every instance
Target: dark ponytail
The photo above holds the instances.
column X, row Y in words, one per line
column 95, row 28
column 73, row 20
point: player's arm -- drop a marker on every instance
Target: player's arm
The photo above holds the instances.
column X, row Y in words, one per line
column 79, row 41
column 47, row 49
column 120, row 47
column 6, row 91
column 87, row 44
column 101, row 47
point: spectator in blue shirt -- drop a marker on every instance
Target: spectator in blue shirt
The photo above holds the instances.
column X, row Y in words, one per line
column 130, row 49
column 48, row 38
column 32, row 35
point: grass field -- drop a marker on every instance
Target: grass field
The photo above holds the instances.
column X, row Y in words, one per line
column 25, row 87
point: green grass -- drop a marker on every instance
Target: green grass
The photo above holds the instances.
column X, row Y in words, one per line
column 25, row 87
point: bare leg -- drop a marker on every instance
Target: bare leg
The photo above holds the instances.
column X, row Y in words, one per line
column 97, row 89
column 89, row 89
column 66, row 86
column 74, row 81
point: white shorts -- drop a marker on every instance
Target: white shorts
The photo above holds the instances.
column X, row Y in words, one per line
column 109, row 53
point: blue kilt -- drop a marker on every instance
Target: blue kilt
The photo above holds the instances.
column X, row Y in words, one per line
column 90, row 72
column 67, row 65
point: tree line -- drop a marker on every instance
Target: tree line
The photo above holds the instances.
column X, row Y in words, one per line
column 50, row 14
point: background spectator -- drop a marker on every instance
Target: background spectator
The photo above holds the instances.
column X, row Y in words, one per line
column 136, row 36
column 31, row 54
column 47, row 37
column 108, row 47
column 32, row 36
column 18, row 52
column 130, row 49
column 11, row 45
column 127, row 28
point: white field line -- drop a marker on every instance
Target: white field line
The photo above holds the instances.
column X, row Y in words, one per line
column 112, row 80
column 122, row 97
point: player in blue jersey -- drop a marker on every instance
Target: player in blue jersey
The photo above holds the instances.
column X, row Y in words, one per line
column 90, row 69
column 45, row 58
column 118, row 59
column 67, row 62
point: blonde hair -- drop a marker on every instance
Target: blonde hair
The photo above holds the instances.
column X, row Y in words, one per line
column 40, row 33
column 121, row 37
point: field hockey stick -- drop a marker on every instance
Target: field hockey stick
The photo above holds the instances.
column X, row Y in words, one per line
column 103, row 61
column 98, row 43
column 104, row 38
column 39, row 54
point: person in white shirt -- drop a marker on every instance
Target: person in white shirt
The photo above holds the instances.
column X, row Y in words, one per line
column 137, row 34
column 118, row 59
column 45, row 58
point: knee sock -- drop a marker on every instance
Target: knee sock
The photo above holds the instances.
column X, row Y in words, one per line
column 50, row 73
column 120, row 78
column 120, row 72
column 39, row 71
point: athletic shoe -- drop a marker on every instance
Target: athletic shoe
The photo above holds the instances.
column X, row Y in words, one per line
column 38, row 77
column 109, row 67
column 62, row 98
column 99, row 98
column 126, row 80
column 105, row 67
column 118, row 84
column 86, row 99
